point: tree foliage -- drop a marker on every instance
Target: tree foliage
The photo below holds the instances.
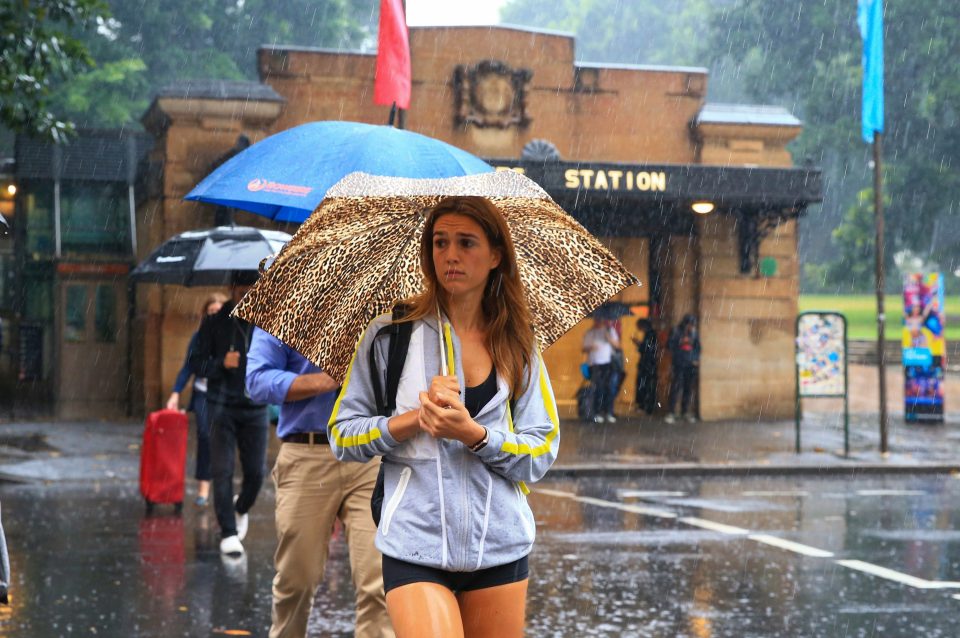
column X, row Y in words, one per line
column 100, row 63
column 150, row 44
column 809, row 58
column 853, row 267
column 41, row 43
column 623, row 31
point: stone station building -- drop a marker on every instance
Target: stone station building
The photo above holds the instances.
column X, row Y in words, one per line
column 627, row 150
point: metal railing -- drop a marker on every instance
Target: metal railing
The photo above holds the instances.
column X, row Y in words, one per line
column 864, row 352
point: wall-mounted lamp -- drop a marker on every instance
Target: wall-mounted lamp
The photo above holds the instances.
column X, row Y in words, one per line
column 11, row 189
column 702, row 208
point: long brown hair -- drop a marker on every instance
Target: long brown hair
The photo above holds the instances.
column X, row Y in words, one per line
column 505, row 311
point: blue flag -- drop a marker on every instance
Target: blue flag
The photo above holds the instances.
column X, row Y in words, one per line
column 870, row 21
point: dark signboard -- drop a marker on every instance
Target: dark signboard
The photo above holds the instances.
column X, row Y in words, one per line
column 722, row 185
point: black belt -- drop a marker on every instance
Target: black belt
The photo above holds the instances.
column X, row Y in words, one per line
column 311, row 438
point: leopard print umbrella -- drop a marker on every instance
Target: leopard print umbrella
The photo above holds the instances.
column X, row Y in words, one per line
column 358, row 254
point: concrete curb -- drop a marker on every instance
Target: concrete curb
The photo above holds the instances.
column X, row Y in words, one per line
column 745, row 469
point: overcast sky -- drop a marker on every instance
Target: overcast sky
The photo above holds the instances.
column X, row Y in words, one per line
column 453, row 12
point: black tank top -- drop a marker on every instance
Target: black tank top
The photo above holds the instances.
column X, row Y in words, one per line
column 478, row 396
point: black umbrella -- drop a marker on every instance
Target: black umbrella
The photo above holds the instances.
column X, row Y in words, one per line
column 211, row 257
column 611, row 310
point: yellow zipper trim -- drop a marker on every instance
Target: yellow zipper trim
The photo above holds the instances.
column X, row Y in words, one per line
column 358, row 439
column 522, row 448
column 521, row 484
column 448, row 338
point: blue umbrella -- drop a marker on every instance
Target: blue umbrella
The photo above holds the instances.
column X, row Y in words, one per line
column 285, row 176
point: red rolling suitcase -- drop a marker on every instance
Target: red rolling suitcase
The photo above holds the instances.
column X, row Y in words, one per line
column 163, row 458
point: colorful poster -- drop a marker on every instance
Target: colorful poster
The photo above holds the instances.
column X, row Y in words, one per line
column 924, row 346
column 821, row 355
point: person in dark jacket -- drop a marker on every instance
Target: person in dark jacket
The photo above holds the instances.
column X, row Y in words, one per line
column 684, row 345
column 238, row 424
column 646, row 390
column 198, row 404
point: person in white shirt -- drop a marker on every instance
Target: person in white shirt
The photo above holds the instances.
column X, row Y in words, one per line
column 599, row 344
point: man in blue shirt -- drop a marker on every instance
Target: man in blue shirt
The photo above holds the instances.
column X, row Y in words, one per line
column 313, row 489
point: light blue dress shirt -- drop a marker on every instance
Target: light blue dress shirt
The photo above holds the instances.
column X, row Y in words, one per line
column 272, row 367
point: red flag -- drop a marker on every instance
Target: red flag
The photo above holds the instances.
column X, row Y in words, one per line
column 392, row 80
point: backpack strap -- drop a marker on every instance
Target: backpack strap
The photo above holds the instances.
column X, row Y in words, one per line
column 399, row 333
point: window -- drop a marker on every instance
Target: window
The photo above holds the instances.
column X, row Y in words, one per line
column 38, row 293
column 105, row 314
column 94, row 217
column 75, row 314
column 38, row 204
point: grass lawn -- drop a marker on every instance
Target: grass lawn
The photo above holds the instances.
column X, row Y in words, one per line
column 861, row 313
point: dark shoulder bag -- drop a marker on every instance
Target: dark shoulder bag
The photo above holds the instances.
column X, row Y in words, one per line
column 399, row 334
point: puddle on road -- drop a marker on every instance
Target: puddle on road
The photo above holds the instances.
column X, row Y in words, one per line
column 30, row 443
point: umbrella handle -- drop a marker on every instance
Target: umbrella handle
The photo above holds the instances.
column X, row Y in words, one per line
column 443, row 352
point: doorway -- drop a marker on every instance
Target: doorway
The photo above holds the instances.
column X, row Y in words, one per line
column 92, row 341
column 676, row 292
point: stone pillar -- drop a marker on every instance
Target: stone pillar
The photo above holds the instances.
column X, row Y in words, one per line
column 191, row 133
column 746, row 324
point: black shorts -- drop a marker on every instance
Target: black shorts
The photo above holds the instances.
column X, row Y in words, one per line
column 397, row 573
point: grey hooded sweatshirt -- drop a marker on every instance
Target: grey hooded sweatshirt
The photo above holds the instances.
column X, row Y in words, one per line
column 445, row 506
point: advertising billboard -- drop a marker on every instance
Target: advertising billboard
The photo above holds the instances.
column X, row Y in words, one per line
column 821, row 355
column 924, row 346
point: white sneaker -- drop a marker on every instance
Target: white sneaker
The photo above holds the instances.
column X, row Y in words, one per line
column 598, row 418
column 670, row 418
column 235, row 566
column 691, row 419
column 611, row 418
column 243, row 520
column 231, row 545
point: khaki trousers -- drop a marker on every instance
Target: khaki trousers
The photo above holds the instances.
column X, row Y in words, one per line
column 314, row 489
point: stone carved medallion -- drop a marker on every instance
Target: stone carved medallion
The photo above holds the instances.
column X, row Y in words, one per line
column 491, row 94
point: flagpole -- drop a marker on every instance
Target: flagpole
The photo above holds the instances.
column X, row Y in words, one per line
column 881, row 317
column 870, row 23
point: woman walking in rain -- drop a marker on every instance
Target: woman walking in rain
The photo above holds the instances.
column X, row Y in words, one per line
column 198, row 405
column 475, row 420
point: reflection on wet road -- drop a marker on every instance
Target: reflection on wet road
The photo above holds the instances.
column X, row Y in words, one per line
column 87, row 562
column 644, row 557
column 748, row 557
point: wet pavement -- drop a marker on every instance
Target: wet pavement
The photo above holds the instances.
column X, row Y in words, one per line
column 606, row 566
column 639, row 445
column 664, row 556
column 681, row 551
column 635, row 445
